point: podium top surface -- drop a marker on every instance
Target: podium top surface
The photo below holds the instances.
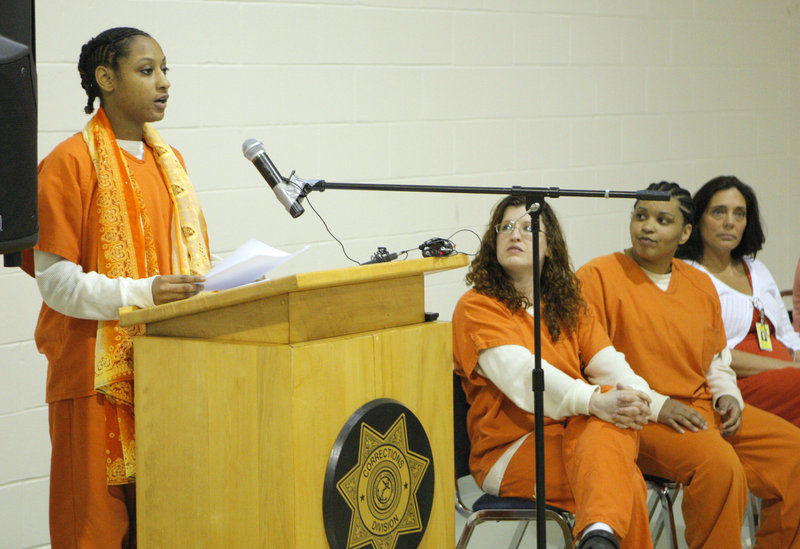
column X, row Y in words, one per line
column 207, row 301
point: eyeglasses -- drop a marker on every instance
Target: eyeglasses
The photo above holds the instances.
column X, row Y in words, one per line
column 525, row 229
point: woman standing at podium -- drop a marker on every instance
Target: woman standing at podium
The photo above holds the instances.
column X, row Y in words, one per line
column 593, row 401
column 120, row 225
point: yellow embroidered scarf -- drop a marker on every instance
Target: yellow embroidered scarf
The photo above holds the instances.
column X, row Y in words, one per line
column 126, row 249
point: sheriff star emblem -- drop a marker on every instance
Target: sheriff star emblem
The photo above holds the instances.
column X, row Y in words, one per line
column 379, row 482
column 381, row 489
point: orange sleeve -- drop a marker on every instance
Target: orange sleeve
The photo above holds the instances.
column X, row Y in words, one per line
column 591, row 288
column 480, row 322
column 592, row 336
column 61, row 201
column 722, row 340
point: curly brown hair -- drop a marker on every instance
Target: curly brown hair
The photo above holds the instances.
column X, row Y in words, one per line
column 562, row 301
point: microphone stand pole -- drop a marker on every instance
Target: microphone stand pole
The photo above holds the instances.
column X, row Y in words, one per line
column 534, row 199
column 533, row 203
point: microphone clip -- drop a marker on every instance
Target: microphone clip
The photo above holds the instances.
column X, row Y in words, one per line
column 305, row 186
column 301, row 187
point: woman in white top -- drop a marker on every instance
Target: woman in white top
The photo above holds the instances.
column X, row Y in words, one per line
column 764, row 346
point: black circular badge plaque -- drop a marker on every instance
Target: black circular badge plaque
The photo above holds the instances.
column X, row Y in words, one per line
column 379, row 483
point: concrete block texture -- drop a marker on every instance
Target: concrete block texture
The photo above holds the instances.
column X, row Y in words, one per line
column 568, row 93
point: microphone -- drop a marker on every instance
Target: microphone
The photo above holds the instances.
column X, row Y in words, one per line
column 534, row 207
column 287, row 194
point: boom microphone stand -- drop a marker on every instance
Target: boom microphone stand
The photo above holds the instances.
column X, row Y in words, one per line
column 534, row 198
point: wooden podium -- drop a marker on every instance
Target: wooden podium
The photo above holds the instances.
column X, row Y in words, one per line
column 240, row 395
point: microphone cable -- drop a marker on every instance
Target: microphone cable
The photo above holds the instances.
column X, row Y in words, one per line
column 465, row 231
column 344, row 251
column 433, row 247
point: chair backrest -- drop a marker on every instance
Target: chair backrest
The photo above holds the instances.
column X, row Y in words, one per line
column 461, row 437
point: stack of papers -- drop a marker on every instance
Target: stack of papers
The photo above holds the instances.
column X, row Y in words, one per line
column 250, row 262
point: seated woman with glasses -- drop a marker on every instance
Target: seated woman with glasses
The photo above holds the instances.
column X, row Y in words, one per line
column 764, row 346
column 594, row 403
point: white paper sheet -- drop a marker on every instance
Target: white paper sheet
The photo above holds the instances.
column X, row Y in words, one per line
column 248, row 263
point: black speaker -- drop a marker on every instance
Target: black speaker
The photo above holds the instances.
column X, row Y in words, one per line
column 19, row 228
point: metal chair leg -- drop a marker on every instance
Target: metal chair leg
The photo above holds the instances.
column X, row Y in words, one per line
column 751, row 516
column 566, row 528
column 466, row 533
column 512, row 515
column 566, row 531
column 518, row 534
column 667, row 500
column 656, row 519
column 660, row 512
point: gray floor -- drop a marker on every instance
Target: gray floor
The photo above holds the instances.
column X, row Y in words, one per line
column 497, row 535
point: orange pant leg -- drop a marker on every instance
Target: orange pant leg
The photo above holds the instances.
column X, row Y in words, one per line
column 769, row 449
column 519, row 480
column 85, row 513
column 608, row 486
column 713, row 478
column 586, row 467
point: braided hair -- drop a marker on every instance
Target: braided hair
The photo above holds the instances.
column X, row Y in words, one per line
column 107, row 48
column 685, row 203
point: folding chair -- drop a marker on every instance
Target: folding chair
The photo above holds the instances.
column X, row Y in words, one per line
column 665, row 491
column 488, row 507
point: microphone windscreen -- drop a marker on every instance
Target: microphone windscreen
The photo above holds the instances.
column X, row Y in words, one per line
column 251, row 148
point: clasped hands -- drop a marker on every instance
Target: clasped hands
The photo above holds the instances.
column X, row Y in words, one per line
column 624, row 406
column 629, row 408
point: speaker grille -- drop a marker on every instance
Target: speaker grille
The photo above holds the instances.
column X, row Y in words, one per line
column 19, row 227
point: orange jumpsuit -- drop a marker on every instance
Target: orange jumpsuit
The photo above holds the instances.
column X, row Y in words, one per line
column 669, row 338
column 591, row 468
column 84, row 511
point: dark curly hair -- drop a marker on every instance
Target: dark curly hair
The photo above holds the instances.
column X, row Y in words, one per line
column 562, row 301
column 107, row 48
column 752, row 238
